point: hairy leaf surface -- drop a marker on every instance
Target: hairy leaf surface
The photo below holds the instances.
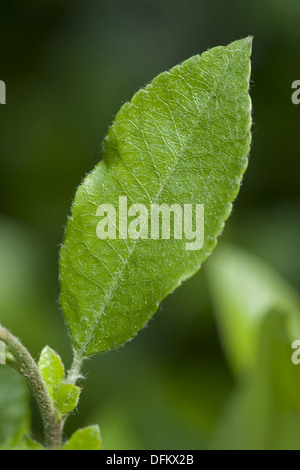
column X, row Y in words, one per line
column 184, row 139
column 65, row 396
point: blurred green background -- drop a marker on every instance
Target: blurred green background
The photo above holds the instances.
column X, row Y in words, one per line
column 213, row 368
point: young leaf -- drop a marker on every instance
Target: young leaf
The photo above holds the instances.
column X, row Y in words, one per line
column 85, row 439
column 184, row 139
column 65, row 396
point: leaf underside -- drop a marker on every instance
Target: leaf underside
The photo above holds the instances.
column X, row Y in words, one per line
column 184, row 139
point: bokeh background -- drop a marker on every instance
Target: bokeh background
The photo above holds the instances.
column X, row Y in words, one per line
column 213, row 368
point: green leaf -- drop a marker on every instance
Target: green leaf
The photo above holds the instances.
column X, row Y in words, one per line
column 27, row 443
column 65, row 396
column 245, row 289
column 184, row 139
column 14, row 408
column 85, row 439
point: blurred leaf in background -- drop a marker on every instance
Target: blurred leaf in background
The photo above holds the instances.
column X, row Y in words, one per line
column 14, row 408
column 245, row 290
column 258, row 315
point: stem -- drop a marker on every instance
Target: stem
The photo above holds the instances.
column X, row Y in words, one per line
column 75, row 372
column 27, row 367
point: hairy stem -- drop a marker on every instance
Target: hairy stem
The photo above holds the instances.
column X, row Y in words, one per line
column 75, row 372
column 26, row 366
